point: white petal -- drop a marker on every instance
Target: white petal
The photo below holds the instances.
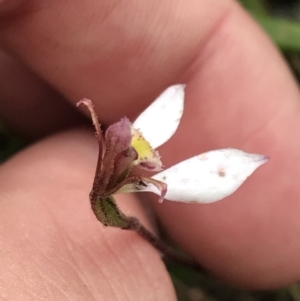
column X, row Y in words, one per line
column 160, row 120
column 209, row 177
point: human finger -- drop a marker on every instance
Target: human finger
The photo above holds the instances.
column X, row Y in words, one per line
column 28, row 104
column 241, row 94
column 53, row 247
column 111, row 52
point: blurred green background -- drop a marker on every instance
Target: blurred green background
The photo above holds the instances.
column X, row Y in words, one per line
column 281, row 20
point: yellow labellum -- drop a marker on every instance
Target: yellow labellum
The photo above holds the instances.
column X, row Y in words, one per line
column 140, row 144
column 148, row 158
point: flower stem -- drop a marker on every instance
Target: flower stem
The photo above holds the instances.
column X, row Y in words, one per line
column 108, row 213
column 135, row 225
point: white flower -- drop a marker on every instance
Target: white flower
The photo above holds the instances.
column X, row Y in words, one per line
column 204, row 178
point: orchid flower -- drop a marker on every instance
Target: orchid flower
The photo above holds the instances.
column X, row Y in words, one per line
column 204, row 178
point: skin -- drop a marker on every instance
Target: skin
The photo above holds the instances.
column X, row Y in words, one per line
column 122, row 54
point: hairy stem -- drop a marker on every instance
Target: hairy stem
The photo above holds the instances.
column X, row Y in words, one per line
column 108, row 213
column 135, row 225
column 88, row 103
